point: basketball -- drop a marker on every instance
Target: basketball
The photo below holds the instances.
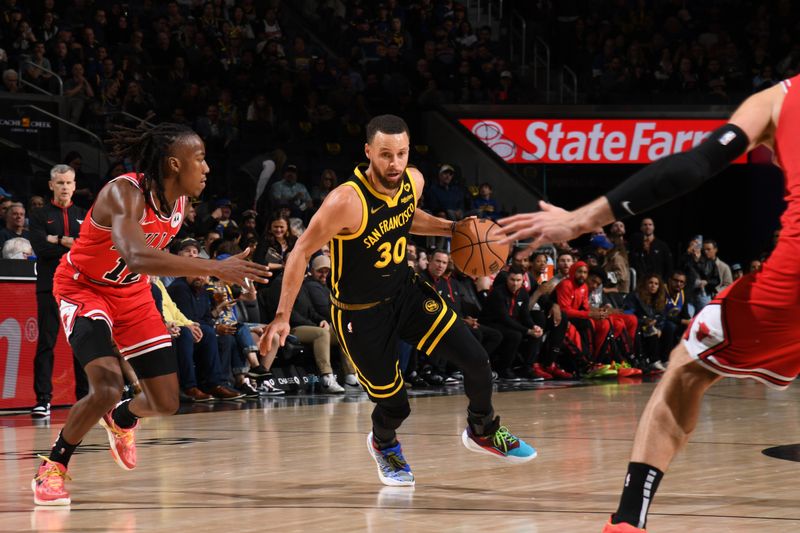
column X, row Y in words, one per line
column 476, row 249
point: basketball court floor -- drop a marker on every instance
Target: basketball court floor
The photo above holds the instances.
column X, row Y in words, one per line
column 300, row 464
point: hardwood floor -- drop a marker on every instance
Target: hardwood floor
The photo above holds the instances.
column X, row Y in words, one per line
column 301, row 465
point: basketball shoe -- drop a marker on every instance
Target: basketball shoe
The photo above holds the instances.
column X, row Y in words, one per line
column 122, row 442
column 393, row 470
column 502, row 444
column 48, row 484
column 622, row 527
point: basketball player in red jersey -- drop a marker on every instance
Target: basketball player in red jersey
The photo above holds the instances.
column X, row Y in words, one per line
column 749, row 330
column 103, row 293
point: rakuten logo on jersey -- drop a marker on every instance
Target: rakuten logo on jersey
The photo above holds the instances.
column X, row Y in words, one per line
column 590, row 140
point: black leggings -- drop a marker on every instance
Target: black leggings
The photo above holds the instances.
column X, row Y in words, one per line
column 463, row 350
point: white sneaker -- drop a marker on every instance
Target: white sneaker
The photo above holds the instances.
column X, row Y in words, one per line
column 330, row 385
column 268, row 389
column 658, row 365
column 352, row 381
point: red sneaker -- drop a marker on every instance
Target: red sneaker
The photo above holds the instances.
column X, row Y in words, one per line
column 122, row 441
column 559, row 373
column 540, row 372
column 48, row 484
column 622, row 527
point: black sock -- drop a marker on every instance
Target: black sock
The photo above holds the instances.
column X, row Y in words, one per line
column 641, row 484
column 387, row 438
column 62, row 450
column 123, row 417
column 483, row 425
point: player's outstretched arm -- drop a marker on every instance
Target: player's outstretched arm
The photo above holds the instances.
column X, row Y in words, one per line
column 341, row 212
column 123, row 204
column 657, row 183
column 424, row 223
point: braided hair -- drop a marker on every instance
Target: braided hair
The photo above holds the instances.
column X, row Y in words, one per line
column 147, row 149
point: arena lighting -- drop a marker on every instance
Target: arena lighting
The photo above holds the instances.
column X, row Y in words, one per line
column 590, row 141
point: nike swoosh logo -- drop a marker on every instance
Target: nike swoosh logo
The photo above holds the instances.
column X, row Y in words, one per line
column 79, row 220
column 153, row 222
column 376, row 209
column 626, row 207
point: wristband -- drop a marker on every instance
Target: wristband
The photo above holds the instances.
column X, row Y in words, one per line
column 59, row 240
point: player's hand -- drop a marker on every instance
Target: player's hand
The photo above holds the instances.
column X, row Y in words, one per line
column 551, row 224
column 225, row 329
column 236, row 269
column 555, row 312
column 277, row 327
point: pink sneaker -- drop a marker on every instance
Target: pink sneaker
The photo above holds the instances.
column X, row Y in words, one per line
column 48, row 484
column 122, row 441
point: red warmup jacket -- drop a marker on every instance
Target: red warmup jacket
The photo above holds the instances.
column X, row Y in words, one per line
column 573, row 299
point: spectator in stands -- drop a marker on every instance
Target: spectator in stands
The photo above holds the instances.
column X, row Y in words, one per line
column 591, row 322
column 191, row 297
column 703, row 274
column 311, row 327
column 710, row 250
column 564, row 263
column 648, row 304
column 15, row 224
column 277, row 239
column 36, row 202
column 439, row 275
column 506, row 310
column 39, row 76
column 53, row 231
column 444, row 196
column 736, row 271
column 484, row 206
column 649, row 254
column 288, row 191
column 11, row 82
column 676, row 316
column 78, row 91
column 17, row 248
column 327, row 182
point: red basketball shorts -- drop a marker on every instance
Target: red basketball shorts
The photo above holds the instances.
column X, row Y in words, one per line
column 130, row 311
column 741, row 334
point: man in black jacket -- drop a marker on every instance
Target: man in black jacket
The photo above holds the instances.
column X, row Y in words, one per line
column 507, row 310
column 53, row 230
column 649, row 254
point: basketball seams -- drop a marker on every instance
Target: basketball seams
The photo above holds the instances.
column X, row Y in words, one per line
column 478, row 235
column 480, row 244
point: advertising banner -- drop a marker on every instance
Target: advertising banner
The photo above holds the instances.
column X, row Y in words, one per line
column 590, row 141
column 19, row 332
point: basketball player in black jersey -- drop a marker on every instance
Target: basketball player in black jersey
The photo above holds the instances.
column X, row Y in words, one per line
column 376, row 299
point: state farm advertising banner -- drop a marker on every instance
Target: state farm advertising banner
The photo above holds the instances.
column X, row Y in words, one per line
column 590, row 141
column 19, row 332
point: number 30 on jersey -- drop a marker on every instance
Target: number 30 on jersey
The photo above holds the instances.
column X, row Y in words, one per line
column 391, row 253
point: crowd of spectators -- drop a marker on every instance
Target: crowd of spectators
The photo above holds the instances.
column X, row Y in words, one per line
column 666, row 51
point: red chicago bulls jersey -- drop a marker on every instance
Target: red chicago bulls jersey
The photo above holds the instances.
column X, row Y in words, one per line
column 95, row 256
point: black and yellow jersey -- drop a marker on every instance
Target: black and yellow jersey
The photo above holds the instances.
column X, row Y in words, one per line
column 370, row 265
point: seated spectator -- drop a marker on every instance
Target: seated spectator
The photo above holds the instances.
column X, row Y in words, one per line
column 78, row 92
column 564, row 263
column 445, row 197
column 484, row 206
column 648, row 304
column 191, row 298
column 17, row 248
column 311, row 327
column 736, row 271
column 439, row 275
column 506, row 310
column 327, row 182
column 275, row 244
column 288, row 191
column 593, row 323
column 11, row 82
column 541, row 269
column 15, row 224
column 677, row 316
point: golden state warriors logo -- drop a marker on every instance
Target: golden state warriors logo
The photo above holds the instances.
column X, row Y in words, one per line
column 431, row 306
